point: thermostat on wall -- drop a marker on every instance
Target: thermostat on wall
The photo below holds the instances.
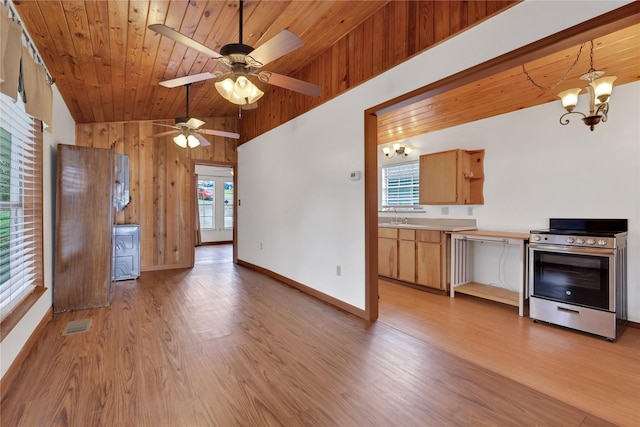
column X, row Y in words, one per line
column 354, row 176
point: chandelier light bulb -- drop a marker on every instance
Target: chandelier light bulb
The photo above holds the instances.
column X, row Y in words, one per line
column 570, row 98
column 603, row 88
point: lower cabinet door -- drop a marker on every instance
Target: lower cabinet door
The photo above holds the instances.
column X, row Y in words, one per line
column 407, row 261
column 388, row 257
column 428, row 271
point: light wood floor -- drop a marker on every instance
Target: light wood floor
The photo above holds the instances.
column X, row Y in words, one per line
column 222, row 345
column 588, row 372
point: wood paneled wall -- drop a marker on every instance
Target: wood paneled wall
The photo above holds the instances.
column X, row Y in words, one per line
column 161, row 173
column 396, row 32
column 161, row 184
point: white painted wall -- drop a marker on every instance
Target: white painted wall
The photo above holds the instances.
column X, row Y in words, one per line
column 536, row 168
column 301, row 216
column 61, row 132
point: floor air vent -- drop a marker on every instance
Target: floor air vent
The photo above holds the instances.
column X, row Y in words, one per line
column 77, row 326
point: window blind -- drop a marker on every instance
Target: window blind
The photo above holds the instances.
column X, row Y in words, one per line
column 401, row 184
column 20, row 204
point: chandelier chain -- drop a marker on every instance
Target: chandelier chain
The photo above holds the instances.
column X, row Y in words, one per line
column 524, row 70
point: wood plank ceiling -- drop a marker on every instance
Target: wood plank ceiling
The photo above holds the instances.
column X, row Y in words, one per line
column 107, row 63
column 617, row 54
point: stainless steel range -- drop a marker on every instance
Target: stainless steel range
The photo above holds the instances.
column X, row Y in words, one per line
column 578, row 275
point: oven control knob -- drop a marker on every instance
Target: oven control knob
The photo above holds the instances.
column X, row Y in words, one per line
column 602, row 242
column 591, row 242
column 537, row 238
column 570, row 240
column 580, row 241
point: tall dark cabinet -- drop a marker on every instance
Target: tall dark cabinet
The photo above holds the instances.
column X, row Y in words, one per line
column 84, row 227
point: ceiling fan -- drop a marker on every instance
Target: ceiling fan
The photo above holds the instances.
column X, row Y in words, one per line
column 241, row 61
column 187, row 130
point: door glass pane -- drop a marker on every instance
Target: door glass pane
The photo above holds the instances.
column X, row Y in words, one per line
column 206, row 204
column 228, row 205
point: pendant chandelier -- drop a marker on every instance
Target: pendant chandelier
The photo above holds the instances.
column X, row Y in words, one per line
column 599, row 90
column 397, row 149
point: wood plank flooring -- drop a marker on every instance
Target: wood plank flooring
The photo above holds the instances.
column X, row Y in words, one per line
column 585, row 371
column 222, row 345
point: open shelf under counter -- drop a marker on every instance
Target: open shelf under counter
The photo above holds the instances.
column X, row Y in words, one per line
column 489, row 292
column 461, row 274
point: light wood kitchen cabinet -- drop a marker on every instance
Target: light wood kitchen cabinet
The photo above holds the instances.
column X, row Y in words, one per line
column 407, row 255
column 414, row 256
column 388, row 252
column 429, row 259
column 454, row 177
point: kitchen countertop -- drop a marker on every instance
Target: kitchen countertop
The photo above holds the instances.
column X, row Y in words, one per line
column 440, row 224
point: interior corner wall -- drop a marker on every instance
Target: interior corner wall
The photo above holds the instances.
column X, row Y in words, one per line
column 62, row 131
column 300, row 215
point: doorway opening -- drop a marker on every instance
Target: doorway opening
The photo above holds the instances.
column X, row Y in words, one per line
column 215, row 204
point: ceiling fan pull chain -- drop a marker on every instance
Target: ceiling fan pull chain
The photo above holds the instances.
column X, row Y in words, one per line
column 524, row 70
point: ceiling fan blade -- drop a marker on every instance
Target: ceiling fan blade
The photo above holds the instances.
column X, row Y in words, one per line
column 167, row 126
column 171, row 132
column 181, row 38
column 232, row 135
column 290, row 83
column 194, row 123
column 181, row 81
column 280, row 44
column 203, row 141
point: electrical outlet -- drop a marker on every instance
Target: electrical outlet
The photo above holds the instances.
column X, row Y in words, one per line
column 445, row 210
column 470, row 211
column 338, row 270
column 260, row 245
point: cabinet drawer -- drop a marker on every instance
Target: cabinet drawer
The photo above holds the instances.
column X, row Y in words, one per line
column 431, row 236
column 404, row 234
column 389, row 233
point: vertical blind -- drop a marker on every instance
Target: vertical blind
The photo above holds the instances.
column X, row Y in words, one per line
column 401, row 184
column 20, row 204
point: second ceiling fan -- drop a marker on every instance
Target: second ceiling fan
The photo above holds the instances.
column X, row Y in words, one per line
column 239, row 62
column 188, row 131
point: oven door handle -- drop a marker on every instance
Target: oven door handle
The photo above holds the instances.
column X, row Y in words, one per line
column 572, row 249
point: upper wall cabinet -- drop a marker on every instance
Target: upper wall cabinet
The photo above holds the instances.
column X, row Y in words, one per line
column 454, row 177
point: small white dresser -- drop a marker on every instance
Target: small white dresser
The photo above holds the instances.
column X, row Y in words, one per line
column 126, row 252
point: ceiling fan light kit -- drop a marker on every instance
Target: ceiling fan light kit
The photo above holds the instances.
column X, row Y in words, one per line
column 187, row 132
column 184, row 141
column 240, row 92
column 241, row 61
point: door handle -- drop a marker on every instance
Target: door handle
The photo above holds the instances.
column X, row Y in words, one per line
column 568, row 310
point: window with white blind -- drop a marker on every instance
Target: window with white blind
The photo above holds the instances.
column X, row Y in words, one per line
column 20, row 204
column 401, row 185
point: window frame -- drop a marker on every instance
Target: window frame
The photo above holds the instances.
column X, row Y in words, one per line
column 26, row 195
column 414, row 185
